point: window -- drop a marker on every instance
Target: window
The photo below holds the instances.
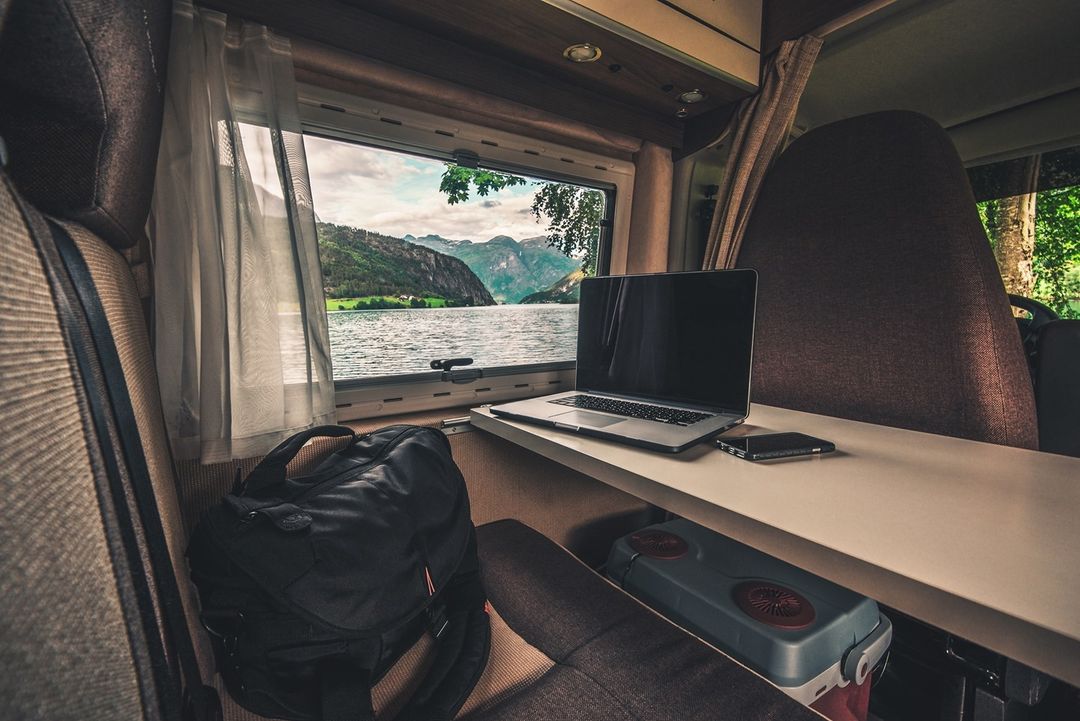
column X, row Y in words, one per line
column 1030, row 208
column 425, row 257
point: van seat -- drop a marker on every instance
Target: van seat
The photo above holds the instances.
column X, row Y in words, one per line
column 613, row 658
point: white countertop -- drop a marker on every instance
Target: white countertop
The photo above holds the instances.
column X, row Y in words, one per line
column 978, row 539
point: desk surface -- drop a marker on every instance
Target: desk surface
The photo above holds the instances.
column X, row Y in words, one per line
column 978, row 539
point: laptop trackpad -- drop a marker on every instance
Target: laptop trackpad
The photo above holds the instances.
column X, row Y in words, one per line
column 584, row 418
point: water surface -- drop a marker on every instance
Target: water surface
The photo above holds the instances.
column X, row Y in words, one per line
column 366, row 343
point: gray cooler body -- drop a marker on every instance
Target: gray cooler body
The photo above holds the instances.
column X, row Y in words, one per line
column 805, row 634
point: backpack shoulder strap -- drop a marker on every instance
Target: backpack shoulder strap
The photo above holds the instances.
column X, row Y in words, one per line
column 462, row 653
column 346, row 690
column 461, row 656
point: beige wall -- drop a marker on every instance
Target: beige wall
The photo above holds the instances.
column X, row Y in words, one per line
column 505, row 481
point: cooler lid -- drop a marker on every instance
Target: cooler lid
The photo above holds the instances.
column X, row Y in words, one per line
column 787, row 624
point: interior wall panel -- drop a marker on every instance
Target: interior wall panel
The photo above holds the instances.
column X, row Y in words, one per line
column 504, row 481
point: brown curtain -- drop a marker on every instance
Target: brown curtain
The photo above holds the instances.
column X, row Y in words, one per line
column 757, row 134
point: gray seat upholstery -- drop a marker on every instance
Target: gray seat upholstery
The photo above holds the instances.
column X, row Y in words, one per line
column 878, row 297
column 82, row 87
column 71, row 648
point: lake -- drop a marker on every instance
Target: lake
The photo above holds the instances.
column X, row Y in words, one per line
column 366, row 343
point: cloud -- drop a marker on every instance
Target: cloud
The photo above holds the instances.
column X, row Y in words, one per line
column 394, row 193
column 333, row 160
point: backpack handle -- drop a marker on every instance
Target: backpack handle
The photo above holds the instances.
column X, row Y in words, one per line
column 271, row 469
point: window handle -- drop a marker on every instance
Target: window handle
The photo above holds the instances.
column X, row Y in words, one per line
column 449, row 375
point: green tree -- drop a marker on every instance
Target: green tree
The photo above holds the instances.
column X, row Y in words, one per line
column 1057, row 250
column 573, row 213
column 1056, row 256
column 1010, row 223
column 456, row 181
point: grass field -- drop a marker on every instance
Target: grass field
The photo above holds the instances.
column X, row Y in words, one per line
column 379, row 302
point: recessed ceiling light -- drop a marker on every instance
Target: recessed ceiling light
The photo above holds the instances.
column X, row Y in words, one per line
column 692, row 96
column 582, row 53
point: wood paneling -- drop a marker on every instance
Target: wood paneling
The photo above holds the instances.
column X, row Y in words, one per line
column 512, row 54
column 355, row 30
column 533, row 34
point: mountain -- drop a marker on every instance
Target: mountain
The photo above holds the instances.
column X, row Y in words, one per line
column 548, row 264
column 358, row 263
column 566, row 290
column 437, row 243
column 510, row 269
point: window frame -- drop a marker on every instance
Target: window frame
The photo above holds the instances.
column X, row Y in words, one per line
column 337, row 116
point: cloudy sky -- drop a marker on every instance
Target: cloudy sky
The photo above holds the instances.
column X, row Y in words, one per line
column 395, row 194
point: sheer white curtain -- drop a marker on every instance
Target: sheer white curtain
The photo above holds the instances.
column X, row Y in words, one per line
column 242, row 346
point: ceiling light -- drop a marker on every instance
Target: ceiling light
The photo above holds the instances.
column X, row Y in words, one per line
column 692, row 96
column 582, row 53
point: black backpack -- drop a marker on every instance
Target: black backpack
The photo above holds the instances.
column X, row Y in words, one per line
column 313, row 587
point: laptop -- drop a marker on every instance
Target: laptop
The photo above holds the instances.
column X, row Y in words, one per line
column 663, row 360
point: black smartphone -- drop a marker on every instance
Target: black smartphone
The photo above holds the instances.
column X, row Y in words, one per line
column 774, row 445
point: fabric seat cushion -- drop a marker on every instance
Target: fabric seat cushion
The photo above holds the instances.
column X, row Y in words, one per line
column 613, row 657
column 115, row 287
column 70, row 643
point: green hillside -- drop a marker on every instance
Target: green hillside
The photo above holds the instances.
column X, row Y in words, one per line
column 566, row 290
column 360, row 264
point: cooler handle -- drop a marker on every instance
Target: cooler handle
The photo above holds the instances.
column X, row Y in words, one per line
column 861, row 659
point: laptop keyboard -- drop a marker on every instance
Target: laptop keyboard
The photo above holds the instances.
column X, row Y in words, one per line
column 644, row 411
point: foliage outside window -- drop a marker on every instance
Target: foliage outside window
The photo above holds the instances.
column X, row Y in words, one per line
column 573, row 213
column 1035, row 233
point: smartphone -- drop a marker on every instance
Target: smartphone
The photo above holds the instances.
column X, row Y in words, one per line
column 774, row 445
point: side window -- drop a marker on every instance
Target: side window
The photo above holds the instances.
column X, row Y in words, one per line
column 425, row 259
column 1030, row 208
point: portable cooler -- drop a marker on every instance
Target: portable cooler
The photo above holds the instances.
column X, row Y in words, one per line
column 817, row 641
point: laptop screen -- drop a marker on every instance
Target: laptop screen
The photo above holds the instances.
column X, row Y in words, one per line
column 683, row 338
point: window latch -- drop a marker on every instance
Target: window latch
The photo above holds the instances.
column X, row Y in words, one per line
column 466, row 159
column 449, row 375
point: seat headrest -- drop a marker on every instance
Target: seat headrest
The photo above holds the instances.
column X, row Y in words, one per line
column 81, row 94
column 878, row 295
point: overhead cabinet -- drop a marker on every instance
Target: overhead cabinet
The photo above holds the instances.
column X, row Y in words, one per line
column 719, row 37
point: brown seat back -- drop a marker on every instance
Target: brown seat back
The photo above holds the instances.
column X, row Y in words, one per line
column 82, row 88
column 879, row 299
